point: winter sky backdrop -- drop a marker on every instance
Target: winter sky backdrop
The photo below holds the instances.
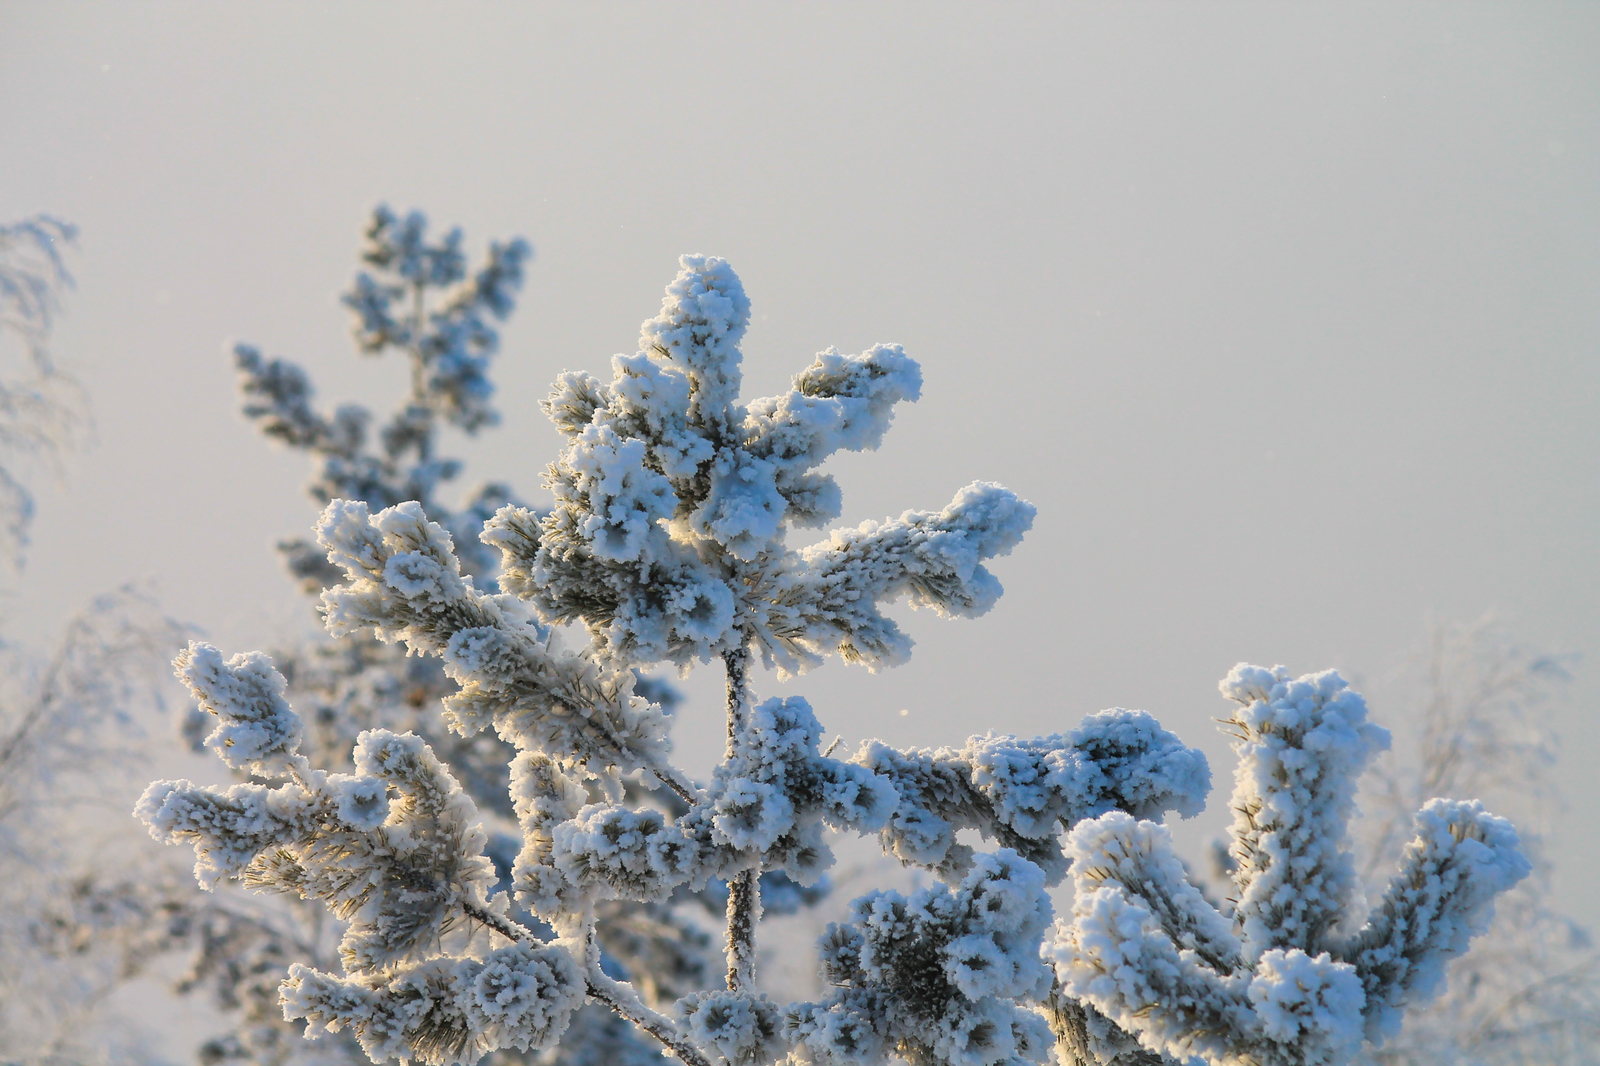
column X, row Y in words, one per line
column 1283, row 315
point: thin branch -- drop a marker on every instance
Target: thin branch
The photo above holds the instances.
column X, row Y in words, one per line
column 515, row 932
column 673, row 778
column 744, row 910
column 656, row 1026
column 737, row 665
column 626, row 1002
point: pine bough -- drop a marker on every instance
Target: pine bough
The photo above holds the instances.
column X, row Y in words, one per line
column 1294, row 976
column 666, row 544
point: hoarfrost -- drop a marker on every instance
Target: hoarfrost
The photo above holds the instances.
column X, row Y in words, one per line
column 667, row 542
column 1291, row 975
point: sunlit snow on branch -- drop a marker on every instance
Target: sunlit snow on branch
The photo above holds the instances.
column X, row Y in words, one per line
column 1292, row 974
column 667, row 543
column 672, row 501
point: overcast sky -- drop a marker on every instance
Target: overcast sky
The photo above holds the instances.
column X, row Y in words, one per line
column 1284, row 315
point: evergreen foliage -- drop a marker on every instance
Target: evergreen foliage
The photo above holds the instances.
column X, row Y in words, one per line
column 667, row 543
column 1292, row 975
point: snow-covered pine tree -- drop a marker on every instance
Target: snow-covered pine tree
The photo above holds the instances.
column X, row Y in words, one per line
column 1294, row 976
column 666, row 543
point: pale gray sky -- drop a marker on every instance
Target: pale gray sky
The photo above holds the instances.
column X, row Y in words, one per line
column 1284, row 315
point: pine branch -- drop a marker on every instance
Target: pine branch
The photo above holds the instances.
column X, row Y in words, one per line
column 604, row 990
column 1146, row 949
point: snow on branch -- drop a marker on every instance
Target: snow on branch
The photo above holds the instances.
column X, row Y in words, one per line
column 935, row 977
column 418, row 300
column 830, row 601
column 767, row 803
column 1024, row 793
column 1291, row 976
column 395, row 849
column 1459, row 860
column 446, row 1010
column 838, row 402
column 452, row 344
column 404, row 583
column 673, row 500
column 1302, row 746
column 256, row 729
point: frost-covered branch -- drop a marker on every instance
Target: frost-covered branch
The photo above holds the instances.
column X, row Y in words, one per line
column 1290, row 977
column 32, row 275
column 1529, row 990
column 1025, row 792
column 450, row 345
column 1085, row 1037
column 936, row 977
column 1460, row 858
column 395, row 849
column 405, row 584
column 446, row 1010
column 419, row 300
column 80, row 910
column 672, row 501
column 765, row 809
column 55, row 711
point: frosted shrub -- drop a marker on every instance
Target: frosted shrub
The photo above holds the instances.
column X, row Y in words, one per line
column 667, row 543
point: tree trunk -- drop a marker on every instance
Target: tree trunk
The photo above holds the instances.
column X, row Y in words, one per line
column 744, row 889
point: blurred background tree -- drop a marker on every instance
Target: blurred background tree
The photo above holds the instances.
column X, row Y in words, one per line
column 73, row 923
column 1529, row 991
